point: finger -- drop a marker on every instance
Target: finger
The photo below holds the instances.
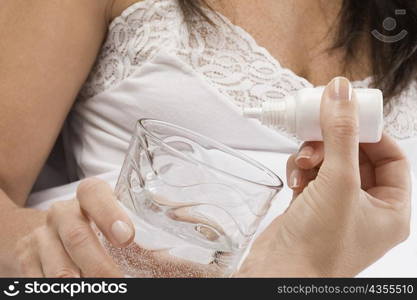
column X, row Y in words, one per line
column 339, row 123
column 31, row 267
column 291, row 166
column 53, row 257
column 390, row 163
column 98, row 201
column 80, row 242
column 366, row 170
column 298, row 179
column 304, row 178
column 310, row 155
column 28, row 262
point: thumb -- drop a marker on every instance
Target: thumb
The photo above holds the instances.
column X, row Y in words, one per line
column 340, row 126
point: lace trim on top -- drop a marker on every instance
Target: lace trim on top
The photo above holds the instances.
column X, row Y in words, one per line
column 230, row 60
column 133, row 39
column 226, row 56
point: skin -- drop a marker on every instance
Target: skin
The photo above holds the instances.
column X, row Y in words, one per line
column 40, row 39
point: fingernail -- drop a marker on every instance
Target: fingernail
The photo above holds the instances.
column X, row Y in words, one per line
column 305, row 152
column 340, row 89
column 121, row 231
column 295, row 179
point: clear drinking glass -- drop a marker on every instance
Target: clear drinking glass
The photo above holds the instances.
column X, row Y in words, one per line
column 195, row 203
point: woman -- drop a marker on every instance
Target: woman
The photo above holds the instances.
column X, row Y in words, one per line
column 181, row 62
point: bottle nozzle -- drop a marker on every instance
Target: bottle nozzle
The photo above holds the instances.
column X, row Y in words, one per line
column 270, row 113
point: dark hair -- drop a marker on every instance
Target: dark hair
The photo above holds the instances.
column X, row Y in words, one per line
column 394, row 64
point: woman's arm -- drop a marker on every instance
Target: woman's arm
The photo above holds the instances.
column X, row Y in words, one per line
column 46, row 51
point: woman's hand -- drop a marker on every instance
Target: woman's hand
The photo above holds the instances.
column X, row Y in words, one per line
column 67, row 246
column 351, row 203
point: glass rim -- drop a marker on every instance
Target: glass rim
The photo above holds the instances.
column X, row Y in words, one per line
column 218, row 145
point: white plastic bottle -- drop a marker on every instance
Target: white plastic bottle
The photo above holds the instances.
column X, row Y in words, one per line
column 299, row 114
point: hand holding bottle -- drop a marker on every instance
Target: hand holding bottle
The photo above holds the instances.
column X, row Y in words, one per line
column 351, row 202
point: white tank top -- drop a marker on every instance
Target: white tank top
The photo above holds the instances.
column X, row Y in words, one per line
column 152, row 66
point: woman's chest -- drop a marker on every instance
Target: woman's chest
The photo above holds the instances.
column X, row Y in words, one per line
column 299, row 36
column 229, row 59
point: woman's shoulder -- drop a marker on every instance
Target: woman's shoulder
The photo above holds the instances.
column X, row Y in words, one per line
column 122, row 10
column 138, row 30
column 119, row 6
